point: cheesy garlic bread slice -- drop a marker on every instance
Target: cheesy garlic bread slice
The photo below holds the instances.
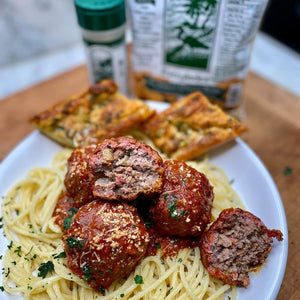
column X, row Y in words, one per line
column 191, row 126
column 92, row 116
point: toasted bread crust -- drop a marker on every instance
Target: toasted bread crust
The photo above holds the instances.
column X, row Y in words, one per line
column 192, row 126
column 92, row 116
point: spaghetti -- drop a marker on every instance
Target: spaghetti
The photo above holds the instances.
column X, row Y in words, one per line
column 35, row 264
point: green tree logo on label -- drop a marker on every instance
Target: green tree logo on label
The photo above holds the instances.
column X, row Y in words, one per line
column 189, row 32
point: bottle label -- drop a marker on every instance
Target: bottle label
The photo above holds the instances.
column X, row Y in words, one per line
column 180, row 46
column 107, row 60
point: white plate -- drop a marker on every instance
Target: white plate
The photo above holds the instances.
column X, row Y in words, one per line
column 252, row 182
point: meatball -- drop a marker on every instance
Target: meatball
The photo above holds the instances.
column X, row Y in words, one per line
column 105, row 241
column 184, row 206
column 77, row 180
column 64, row 209
column 123, row 168
column 236, row 242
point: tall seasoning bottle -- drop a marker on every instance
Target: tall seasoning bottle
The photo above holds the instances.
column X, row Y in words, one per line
column 102, row 24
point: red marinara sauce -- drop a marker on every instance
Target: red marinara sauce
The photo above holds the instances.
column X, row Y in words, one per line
column 169, row 245
column 183, row 208
column 64, row 209
column 77, row 179
column 105, row 241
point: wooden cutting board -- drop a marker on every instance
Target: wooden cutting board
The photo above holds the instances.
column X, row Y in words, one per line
column 272, row 116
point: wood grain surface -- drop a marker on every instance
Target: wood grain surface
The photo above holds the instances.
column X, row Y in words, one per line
column 272, row 116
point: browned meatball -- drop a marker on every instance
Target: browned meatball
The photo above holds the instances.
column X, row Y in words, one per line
column 184, row 206
column 123, row 168
column 64, row 209
column 236, row 242
column 77, row 180
column 104, row 242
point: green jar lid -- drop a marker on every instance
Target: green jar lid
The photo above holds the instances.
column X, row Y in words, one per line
column 100, row 14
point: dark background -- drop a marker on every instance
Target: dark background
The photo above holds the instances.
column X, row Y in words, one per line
column 282, row 21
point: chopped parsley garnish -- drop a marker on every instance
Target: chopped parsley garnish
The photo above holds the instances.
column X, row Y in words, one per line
column 122, row 295
column 73, row 210
column 18, row 250
column 172, row 209
column 29, row 251
column 67, row 222
column 158, row 245
column 71, row 242
column 167, row 196
column 45, row 268
column 102, row 291
column 1, row 288
column 10, row 245
column 138, row 279
column 87, row 270
column 288, row 171
column 7, row 273
column 60, row 255
column 170, row 290
column 148, row 224
column 179, row 260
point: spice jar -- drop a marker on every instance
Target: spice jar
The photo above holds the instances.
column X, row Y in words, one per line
column 102, row 24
